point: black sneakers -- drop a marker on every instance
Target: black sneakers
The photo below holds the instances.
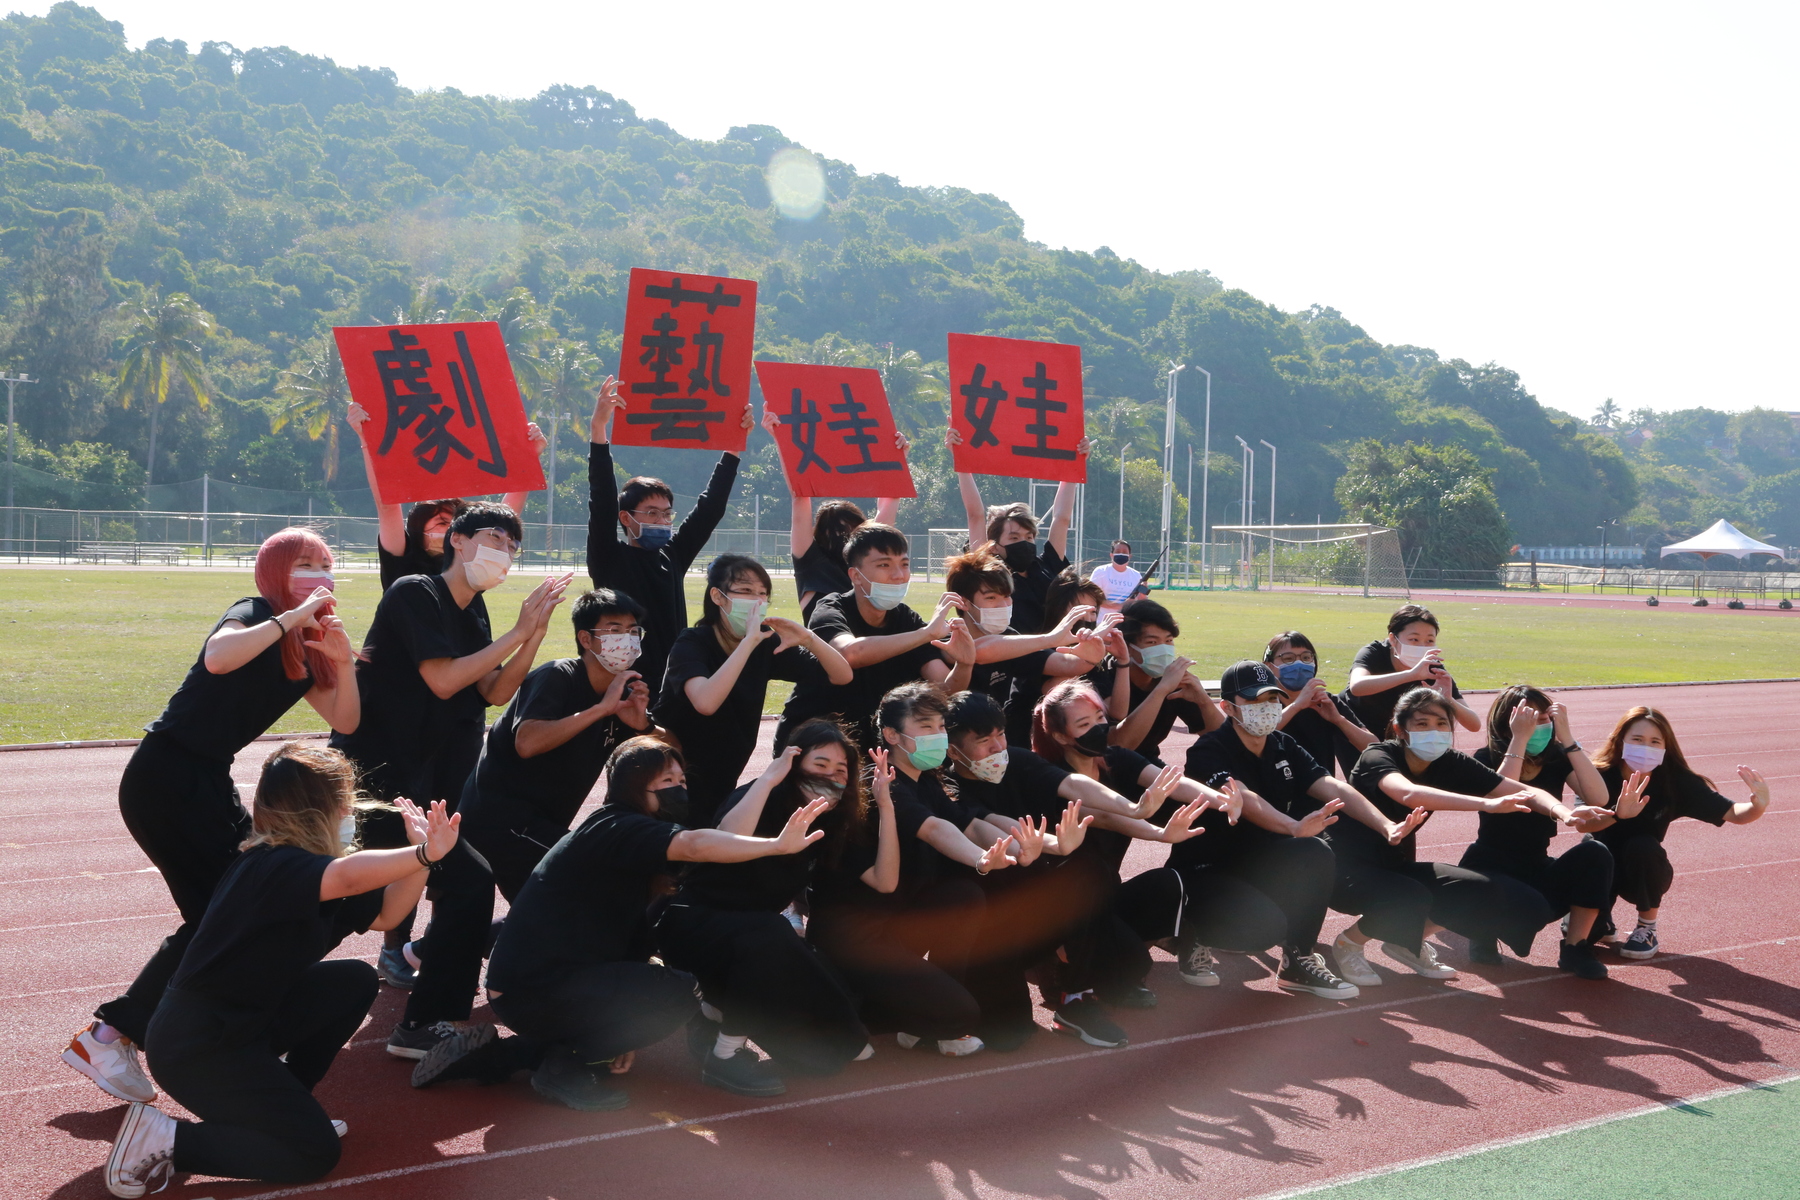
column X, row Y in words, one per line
column 1578, row 959
column 564, row 1078
column 1308, row 973
column 449, row 1059
column 416, row 1041
column 1086, row 1019
column 743, row 1074
column 1484, row 951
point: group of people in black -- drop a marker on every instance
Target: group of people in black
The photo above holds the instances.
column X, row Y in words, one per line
column 943, row 825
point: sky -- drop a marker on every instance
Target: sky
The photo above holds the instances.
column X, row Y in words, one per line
column 1599, row 196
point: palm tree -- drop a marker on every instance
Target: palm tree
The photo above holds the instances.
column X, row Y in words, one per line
column 162, row 341
column 1607, row 415
column 521, row 328
column 317, row 394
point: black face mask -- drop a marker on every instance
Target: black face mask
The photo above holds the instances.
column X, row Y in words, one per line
column 672, row 805
column 1093, row 742
column 1021, row 556
column 1122, row 559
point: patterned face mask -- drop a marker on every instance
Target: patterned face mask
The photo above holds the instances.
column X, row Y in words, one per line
column 619, row 650
column 1260, row 719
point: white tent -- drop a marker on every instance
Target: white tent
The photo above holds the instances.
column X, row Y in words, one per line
column 1722, row 538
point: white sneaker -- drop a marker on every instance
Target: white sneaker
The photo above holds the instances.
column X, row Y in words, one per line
column 1425, row 962
column 949, row 1047
column 412, row 956
column 342, row 1127
column 868, row 1052
column 1196, row 965
column 1352, row 967
column 143, row 1154
column 112, row 1065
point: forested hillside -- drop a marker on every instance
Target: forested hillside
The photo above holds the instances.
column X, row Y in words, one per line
column 285, row 194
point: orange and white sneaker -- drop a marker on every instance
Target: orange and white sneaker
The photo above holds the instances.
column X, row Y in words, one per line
column 112, row 1065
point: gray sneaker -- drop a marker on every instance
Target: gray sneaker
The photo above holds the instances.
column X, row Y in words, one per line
column 1351, row 965
column 1195, row 964
column 1425, row 962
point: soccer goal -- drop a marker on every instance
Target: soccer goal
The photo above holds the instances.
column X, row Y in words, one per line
column 1340, row 557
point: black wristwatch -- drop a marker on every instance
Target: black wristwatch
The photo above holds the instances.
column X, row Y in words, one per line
column 1572, row 747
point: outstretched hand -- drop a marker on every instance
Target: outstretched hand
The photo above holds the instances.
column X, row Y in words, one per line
column 1400, row 832
column 995, row 856
column 1633, row 796
column 1314, row 823
column 1071, row 828
column 1182, row 825
column 436, row 829
column 881, row 777
column 794, row 836
column 606, row 403
column 1029, row 837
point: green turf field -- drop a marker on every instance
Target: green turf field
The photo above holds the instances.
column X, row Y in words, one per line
column 94, row 654
column 1737, row 1145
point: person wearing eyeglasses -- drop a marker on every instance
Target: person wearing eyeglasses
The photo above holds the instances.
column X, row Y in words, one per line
column 634, row 543
column 1325, row 724
column 429, row 669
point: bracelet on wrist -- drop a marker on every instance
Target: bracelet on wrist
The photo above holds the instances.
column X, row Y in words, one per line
column 276, row 618
column 424, row 860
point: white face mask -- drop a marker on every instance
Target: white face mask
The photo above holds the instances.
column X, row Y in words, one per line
column 1641, row 758
column 1157, row 659
column 1409, row 655
column 994, row 620
column 347, row 830
column 487, row 568
column 885, row 596
column 1260, row 719
column 1428, row 744
column 619, row 650
column 991, row 769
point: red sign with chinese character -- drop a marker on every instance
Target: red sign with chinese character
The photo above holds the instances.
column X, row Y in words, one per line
column 835, row 430
column 685, row 370
column 1017, row 405
column 445, row 418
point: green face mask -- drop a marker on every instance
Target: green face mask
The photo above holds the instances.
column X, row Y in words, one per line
column 737, row 615
column 928, row 750
column 1540, row 737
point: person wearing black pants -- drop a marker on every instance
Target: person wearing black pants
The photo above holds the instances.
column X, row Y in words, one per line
column 726, row 927
column 428, row 671
column 1398, row 898
column 571, row 974
column 253, row 1019
column 176, row 795
column 539, row 763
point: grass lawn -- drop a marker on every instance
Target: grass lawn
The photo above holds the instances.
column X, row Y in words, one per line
column 95, row 654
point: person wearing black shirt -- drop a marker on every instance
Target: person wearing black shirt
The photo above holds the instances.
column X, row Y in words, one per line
column 719, row 672
column 725, row 926
column 1325, row 724
column 1010, row 666
column 1652, row 787
column 414, row 544
column 253, row 1019
column 886, row 643
column 176, row 795
column 1398, row 898
column 428, row 671
column 571, row 974
column 634, row 545
column 1383, row 671
column 537, row 766
column 1013, row 530
column 1528, row 739
column 879, row 938
column 1161, row 686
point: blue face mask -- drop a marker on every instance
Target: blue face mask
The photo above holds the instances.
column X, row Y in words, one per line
column 1428, row 744
column 654, row 537
column 1295, row 675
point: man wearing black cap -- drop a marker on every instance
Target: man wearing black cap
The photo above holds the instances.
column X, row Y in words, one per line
column 1285, row 854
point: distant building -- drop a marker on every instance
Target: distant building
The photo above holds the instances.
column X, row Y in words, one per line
column 1615, row 555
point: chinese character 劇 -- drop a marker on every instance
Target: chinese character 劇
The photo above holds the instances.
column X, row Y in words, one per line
column 403, row 369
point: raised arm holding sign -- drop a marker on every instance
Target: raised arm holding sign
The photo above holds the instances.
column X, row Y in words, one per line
column 1017, row 406
column 835, row 430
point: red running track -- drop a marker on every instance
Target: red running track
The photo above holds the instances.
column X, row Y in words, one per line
column 1239, row 1090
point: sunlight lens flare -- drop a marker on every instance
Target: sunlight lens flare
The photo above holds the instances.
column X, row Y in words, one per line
column 797, row 183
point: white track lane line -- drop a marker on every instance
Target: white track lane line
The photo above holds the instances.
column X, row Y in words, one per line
column 1524, row 1139
column 1489, row 991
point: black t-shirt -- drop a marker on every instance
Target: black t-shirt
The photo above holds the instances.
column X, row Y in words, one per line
column 821, row 573
column 997, row 680
column 1281, row 774
column 1524, row 836
column 1323, row 739
column 767, row 884
column 1670, row 797
column 542, row 794
column 585, row 903
column 1024, row 688
column 1121, row 772
column 215, row 716
column 1172, row 707
column 914, row 803
column 718, row 747
column 266, row 925
column 654, row 578
column 815, row 695
column 414, row 560
column 1030, row 588
column 1454, row 771
column 406, row 730
column 1028, row 789
column 1377, row 708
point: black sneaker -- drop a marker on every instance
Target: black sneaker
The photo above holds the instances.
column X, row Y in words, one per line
column 1641, row 944
column 394, row 970
column 446, row 1060
column 564, row 1078
column 1485, row 951
column 1578, row 959
column 1134, row 995
column 743, row 1074
column 1086, row 1019
column 416, row 1041
column 1308, row 973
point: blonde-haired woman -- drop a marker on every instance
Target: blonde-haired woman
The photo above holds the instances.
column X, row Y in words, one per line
column 253, row 1019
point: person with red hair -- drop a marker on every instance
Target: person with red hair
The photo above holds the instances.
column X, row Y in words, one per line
column 268, row 651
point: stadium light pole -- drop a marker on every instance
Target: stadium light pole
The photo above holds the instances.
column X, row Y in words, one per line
column 1123, row 451
column 12, row 382
column 1205, row 468
column 1246, row 491
column 1190, row 514
column 1168, row 488
column 1271, row 446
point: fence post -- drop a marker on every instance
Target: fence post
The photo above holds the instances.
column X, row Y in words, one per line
column 206, row 519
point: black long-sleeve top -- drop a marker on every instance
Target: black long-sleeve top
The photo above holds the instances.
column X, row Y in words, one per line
column 651, row 577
